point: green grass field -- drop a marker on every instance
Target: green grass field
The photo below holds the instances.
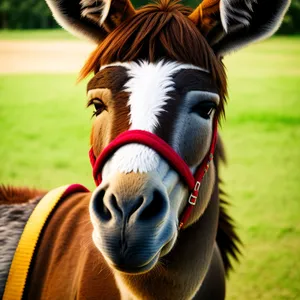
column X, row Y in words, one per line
column 44, row 129
column 41, row 34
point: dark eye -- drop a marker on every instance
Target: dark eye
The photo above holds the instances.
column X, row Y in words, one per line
column 98, row 105
column 204, row 109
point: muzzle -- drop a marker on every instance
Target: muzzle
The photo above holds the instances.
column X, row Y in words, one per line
column 168, row 153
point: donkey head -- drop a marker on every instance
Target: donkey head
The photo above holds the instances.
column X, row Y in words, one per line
column 156, row 69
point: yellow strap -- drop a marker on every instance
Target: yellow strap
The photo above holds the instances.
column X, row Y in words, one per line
column 21, row 262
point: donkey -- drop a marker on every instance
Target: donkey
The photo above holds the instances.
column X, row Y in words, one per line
column 158, row 91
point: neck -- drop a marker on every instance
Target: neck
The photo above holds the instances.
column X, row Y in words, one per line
column 178, row 275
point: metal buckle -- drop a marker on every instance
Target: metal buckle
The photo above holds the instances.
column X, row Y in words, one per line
column 194, row 194
column 197, row 186
column 192, row 199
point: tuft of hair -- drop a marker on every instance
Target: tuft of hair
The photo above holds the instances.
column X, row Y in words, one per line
column 158, row 31
column 16, row 195
column 227, row 239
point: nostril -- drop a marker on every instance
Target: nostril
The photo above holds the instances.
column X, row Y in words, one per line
column 114, row 204
column 136, row 206
column 155, row 208
column 100, row 208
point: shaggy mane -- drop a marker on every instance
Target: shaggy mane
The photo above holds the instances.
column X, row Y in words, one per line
column 227, row 238
column 15, row 195
column 159, row 31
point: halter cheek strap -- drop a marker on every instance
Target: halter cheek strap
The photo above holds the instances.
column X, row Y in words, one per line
column 168, row 153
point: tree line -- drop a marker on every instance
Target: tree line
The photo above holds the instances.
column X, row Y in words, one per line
column 34, row 14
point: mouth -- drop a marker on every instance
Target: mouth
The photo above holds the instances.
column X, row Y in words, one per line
column 125, row 264
column 134, row 259
column 147, row 266
column 136, row 270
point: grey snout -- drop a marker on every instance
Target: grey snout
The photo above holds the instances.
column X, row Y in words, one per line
column 131, row 223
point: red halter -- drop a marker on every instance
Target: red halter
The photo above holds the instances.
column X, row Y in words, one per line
column 168, row 153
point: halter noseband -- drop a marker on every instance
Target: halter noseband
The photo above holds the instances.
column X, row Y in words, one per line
column 168, row 153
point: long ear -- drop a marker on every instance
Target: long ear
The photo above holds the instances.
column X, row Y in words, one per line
column 231, row 24
column 92, row 19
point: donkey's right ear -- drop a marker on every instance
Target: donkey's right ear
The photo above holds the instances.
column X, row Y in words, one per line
column 92, row 19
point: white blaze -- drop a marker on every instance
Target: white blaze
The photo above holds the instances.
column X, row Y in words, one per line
column 148, row 89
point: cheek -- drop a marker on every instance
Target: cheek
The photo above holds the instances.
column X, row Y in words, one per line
column 195, row 139
column 205, row 193
column 108, row 126
column 100, row 136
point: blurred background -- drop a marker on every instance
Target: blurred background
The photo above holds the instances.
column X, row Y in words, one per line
column 32, row 14
column 44, row 134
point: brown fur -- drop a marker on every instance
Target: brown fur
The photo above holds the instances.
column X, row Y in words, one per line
column 85, row 275
column 206, row 15
column 119, row 11
column 15, row 195
column 115, row 100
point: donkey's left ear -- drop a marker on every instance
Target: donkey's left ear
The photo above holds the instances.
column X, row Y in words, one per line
column 231, row 24
column 92, row 19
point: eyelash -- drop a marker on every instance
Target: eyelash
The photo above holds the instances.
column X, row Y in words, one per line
column 98, row 110
column 204, row 109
